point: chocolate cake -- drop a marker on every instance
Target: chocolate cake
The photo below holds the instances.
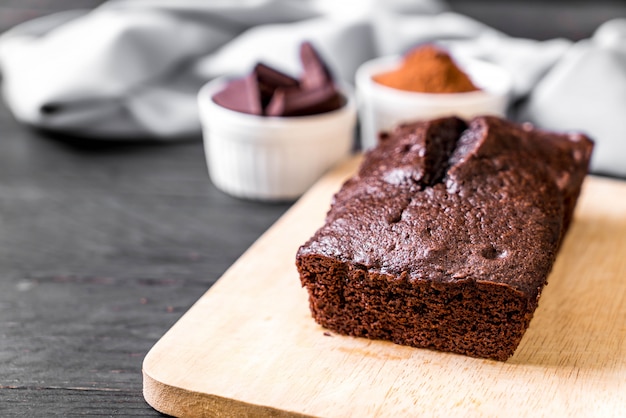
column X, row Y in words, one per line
column 445, row 237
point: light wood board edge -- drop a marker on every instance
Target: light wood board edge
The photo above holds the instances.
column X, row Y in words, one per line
column 174, row 400
column 179, row 402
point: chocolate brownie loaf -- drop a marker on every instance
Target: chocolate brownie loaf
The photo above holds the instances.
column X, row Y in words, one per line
column 446, row 235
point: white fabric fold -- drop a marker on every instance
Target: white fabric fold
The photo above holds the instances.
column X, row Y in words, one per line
column 132, row 68
column 344, row 43
column 586, row 91
column 94, row 66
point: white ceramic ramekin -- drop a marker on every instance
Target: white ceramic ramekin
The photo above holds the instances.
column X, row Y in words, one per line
column 272, row 158
column 381, row 107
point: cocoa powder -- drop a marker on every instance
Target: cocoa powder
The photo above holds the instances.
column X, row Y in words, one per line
column 427, row 69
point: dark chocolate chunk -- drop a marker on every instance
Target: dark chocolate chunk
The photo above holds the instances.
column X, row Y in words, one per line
column 267, row 91
column 315, row 72
column 297, row 102
column 241, row 95
column 270, row 79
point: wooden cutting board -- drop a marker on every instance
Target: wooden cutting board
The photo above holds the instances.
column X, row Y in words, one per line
column 249, row 347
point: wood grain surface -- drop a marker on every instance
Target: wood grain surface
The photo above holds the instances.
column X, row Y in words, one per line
column 250, row 347
column 103, row 246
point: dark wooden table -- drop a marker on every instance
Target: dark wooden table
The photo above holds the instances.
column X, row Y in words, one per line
column 104, row 246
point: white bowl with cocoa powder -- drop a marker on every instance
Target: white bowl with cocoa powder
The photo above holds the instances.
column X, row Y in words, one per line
column 382, row 107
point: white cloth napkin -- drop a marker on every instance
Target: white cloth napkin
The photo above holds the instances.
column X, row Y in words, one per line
column 586, row 91
column 132, row 69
